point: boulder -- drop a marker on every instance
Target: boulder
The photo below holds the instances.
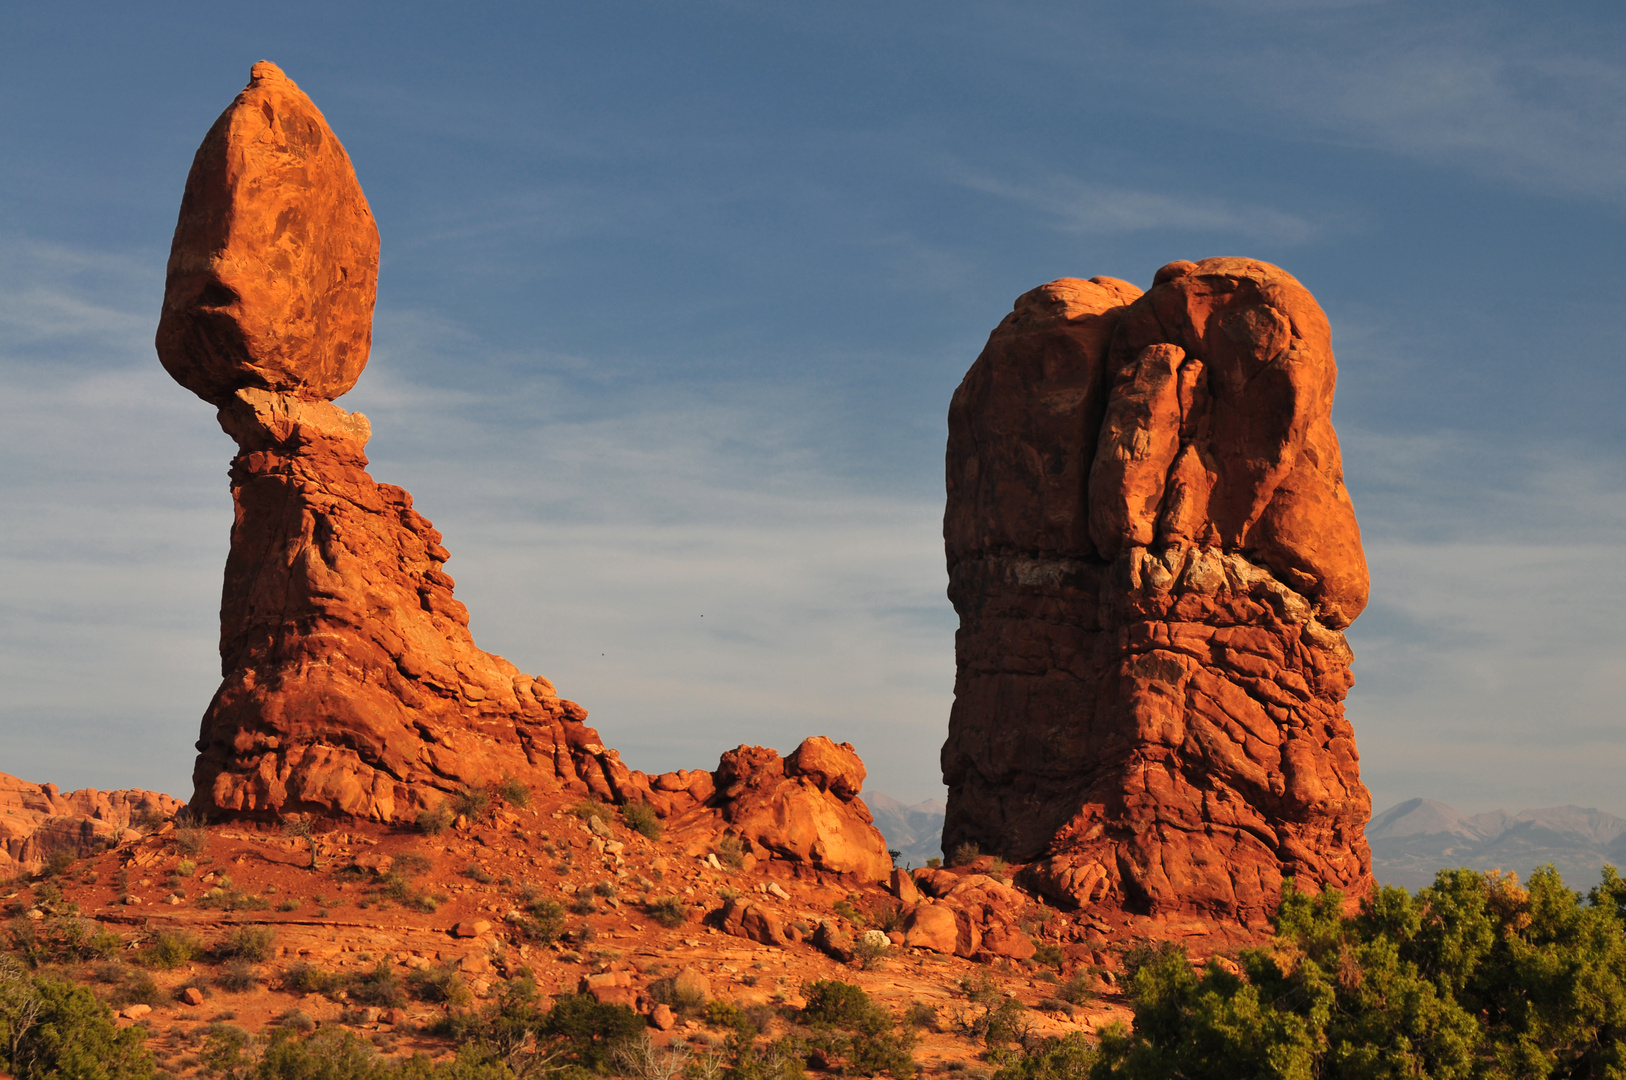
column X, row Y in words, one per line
column 1153, row 558
column 931, row 926
column 274, row 265
column 1008, row 942
column 834, row 767
column 902, row 885
column 833, row 940
column 812, row 818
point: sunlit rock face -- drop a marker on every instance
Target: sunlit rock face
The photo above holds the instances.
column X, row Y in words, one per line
column 352, row 685
column 1153, row 558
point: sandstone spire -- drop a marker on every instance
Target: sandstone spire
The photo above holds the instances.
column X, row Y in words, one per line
column 351, row 682
column 1153, row 557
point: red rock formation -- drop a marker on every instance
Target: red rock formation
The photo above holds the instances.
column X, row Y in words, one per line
column 37, row 821
column 1152, row 554
column 351, row 683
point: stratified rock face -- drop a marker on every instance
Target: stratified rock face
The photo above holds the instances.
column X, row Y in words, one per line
column 274, row 267
column 1152, row 554
column 352, row 685
column 37, row 821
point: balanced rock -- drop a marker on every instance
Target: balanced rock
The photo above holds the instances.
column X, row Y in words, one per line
column 351, row 683
column 1153, row 556
column 274, row 267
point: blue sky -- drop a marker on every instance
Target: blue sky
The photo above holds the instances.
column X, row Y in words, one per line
column 673, row 297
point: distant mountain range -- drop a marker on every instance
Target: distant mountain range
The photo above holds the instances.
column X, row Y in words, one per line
column 915, row 832
column 1412, row 841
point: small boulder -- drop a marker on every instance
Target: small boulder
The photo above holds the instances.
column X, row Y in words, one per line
column 834, row 941
column 192, row 996
column 903, row 887
column 1005, row 941
column 135, row 1012
column 931, row 926
column 834, row 767
column 662, row 1018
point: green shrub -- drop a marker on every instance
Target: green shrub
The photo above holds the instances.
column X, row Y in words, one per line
column 641, row 818
column 689, row 1003
column 377, row 987
column 137, row 988
column 237, row 977
column 850, row 913
column 54, row 1030
column 1078, row 989
column 1050, row 956
column 476, row 872
column 169, row 950
column 730, row 852
column 964, row 854
column 303, row 978
column 934, row 862
column 588, row 809
column 589, row 1029
column 59, row 863
column 1070, row 1057
column 247, row 943
column 1472, row 976
column 668, row 911
column 471, row 802
column 921, row 1015
column 513, row 792
column 192, row 838
column 434, row 820
column 843, row 1005
column 441, row 985
column 395, row 887
column 410, row 864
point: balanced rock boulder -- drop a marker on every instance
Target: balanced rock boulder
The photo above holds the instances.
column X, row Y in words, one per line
column 1153, row 556
column 351, row 683
column 274, row 266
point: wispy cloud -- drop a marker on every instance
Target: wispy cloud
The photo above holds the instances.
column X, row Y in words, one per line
column 1080, row 207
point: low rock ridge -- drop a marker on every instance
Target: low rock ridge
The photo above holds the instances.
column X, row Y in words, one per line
column 37, row 820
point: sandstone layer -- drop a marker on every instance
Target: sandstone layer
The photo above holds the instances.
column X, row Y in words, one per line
column 1153, row 556
column 352, row 686
column 37, row 820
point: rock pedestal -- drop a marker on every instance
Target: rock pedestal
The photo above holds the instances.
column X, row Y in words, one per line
column 351, row 683
column 1153, row 557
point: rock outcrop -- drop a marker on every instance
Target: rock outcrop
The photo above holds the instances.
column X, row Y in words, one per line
column 352, row 686
column 351, row 683
column 1153, row 557
column 37, row 820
